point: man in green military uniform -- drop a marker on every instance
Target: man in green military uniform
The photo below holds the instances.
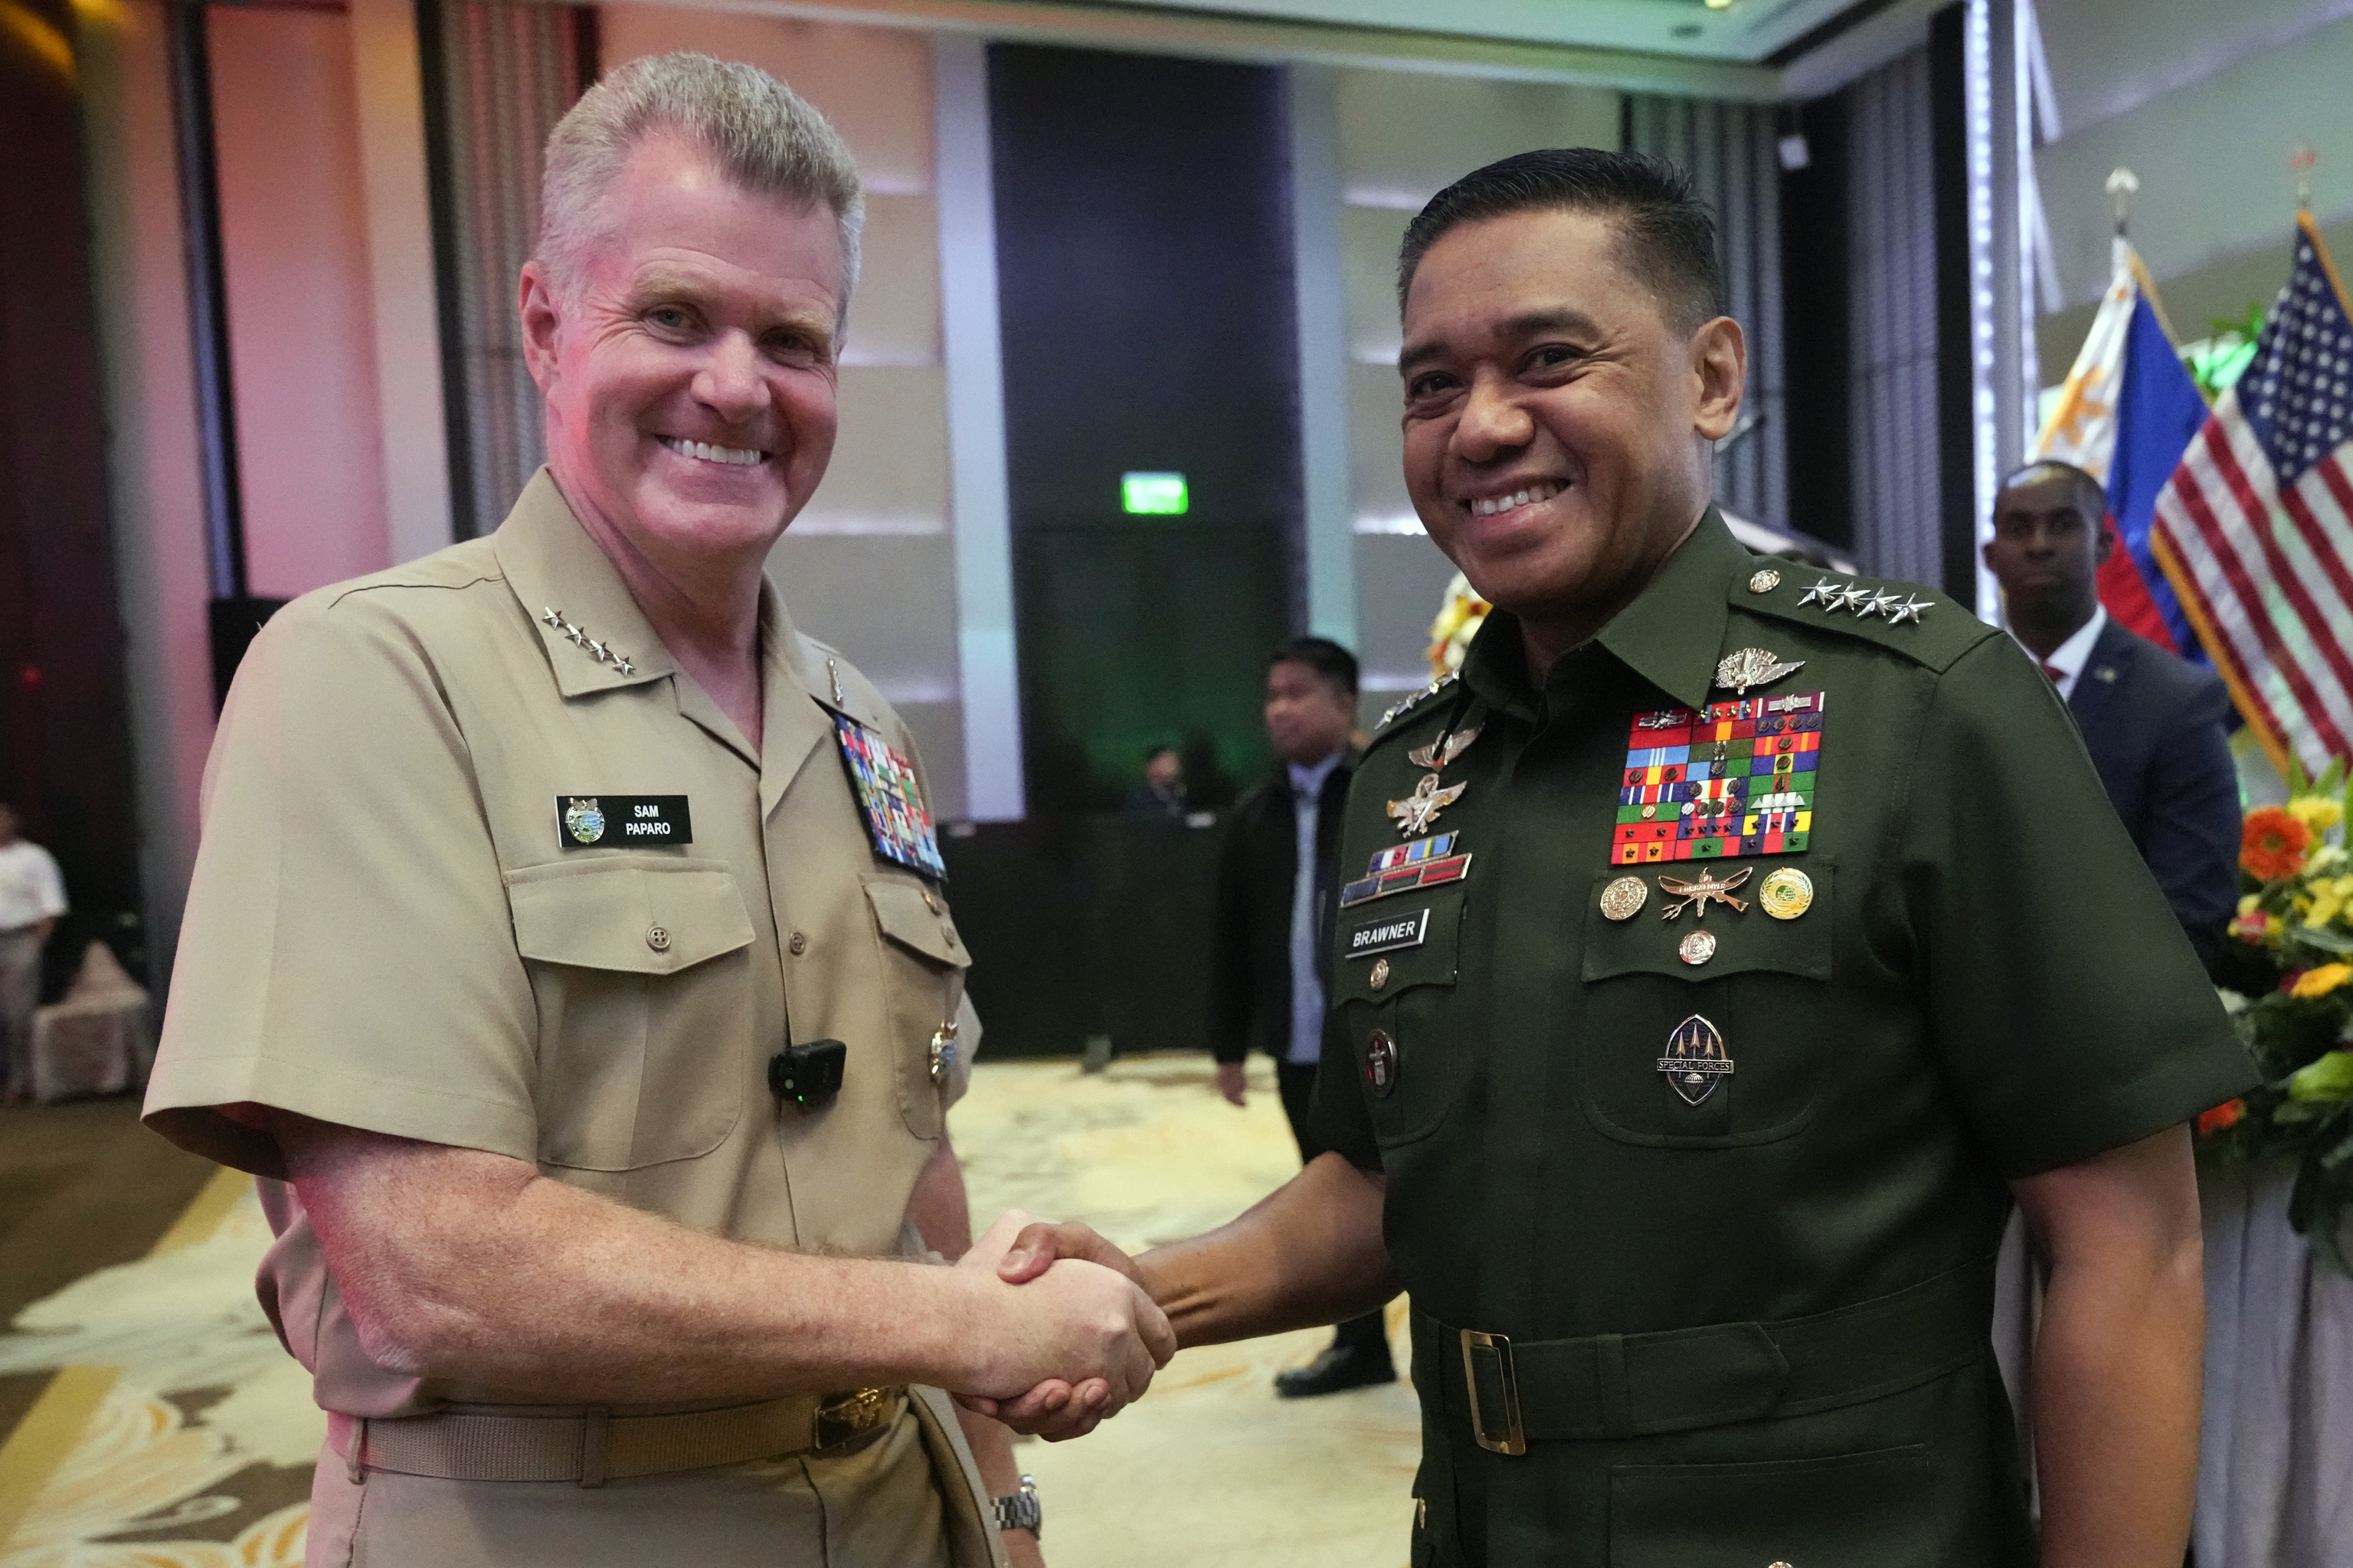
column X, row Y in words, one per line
column 1724, row 952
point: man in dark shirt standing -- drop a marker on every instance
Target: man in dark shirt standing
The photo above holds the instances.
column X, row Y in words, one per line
column 1276, row 886
column 2155, row 723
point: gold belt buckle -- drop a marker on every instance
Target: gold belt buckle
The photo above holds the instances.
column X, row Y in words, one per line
column 1497, row 1348
column 844, row 1417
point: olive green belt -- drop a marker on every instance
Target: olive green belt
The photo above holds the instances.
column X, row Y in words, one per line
column 592, row 1446
column 1513, row 1392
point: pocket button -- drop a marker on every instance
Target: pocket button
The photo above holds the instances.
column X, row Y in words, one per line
column 658, row 939
column 799, row 944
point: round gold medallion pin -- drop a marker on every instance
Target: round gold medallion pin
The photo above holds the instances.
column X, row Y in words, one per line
column 1765, row 581
column 1786, row 894
column 1380, row 975
column 1624, row 897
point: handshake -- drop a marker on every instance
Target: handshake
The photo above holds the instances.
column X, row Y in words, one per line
column 1067, row 1334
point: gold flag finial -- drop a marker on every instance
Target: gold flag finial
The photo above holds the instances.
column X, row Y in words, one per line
column 2300, row 163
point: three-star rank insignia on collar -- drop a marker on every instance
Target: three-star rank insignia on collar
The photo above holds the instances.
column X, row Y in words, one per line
column 1730, row 778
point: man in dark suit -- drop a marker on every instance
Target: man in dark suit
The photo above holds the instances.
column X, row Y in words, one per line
column 2155, row 723
column 1277, row 879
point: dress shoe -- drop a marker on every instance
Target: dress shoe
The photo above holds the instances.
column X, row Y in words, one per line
column 1341, row 1367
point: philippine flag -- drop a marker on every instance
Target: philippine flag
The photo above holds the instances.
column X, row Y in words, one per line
column 2126, row 414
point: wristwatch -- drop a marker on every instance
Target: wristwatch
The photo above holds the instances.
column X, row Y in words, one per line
column 1020, row 1511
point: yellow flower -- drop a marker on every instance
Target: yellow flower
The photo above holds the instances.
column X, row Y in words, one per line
column 2321, row 981
column 2318, row 812
column 2330, row 899
column 2247, row 904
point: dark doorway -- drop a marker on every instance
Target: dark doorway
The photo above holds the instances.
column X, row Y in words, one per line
column 1144, row 251
column 65, row 758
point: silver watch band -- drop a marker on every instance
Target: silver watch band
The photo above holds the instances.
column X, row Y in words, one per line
column 1020, row 1510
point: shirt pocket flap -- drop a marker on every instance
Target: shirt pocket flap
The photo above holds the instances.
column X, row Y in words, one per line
column 917, row 920
column 1747, row 942
column 644, row 920
column 1400, row 942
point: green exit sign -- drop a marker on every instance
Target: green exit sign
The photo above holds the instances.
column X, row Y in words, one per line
column 1158, row 494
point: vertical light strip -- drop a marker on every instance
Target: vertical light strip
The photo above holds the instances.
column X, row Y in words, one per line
column 390, row 92
column 2026, row 204
column 980, row 498
column 1329, row 543
column 1977, row 95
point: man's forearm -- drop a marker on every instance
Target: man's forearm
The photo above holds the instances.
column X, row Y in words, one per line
column 2119, row 1356
column 1309, row 1253
column 464, row 1265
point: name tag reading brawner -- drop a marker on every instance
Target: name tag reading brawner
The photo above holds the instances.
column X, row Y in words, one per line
column 1386, row 935
column 621, row 821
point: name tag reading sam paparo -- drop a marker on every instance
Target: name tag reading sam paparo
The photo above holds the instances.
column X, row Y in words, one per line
column 621, row 821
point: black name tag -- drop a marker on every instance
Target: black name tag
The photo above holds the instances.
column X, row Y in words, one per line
column 622, row 822
column 1388, row 934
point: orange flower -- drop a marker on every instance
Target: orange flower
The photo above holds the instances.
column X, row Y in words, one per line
column 2273, row 844
column 2230, row 1113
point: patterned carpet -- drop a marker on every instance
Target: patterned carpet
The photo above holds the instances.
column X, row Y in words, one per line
column 174, row 1432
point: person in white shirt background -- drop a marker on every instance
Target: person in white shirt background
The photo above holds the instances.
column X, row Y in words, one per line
column 32, row 896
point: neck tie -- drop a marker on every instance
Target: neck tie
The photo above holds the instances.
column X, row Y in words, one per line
column 2055, row 672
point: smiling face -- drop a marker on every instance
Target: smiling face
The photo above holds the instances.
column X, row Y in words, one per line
column 688, row 371
column 1556, row 425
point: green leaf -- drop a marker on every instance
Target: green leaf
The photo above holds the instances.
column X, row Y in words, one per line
column 2328, row 1079
column 2323, row 938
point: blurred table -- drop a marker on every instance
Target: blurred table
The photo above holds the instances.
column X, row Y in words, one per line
column 97, row 1039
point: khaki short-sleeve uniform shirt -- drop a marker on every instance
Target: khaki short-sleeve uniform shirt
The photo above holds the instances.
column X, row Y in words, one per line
column 393, row 926
column 1728, row 1176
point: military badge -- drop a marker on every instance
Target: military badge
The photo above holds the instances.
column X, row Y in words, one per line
column 1695, row 1059
column 1624, row 897
column 1747, row 667
column 1380, row 1064
column 1696, row 948
column 1703, row 891
column 1417, row 810
column 1424, row 863
column 584, row 819
column 1786, row 894
column 897, row 822
column 1456, row 742
column 1730, row 778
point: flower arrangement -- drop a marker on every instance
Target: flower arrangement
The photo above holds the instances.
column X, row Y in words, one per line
column 2287, row 973
column 1458, row 622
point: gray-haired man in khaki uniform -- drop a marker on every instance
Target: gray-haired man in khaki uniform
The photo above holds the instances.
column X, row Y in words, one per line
column 548, row 887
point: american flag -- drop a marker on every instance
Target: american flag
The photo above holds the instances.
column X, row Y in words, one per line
column 2255, row 528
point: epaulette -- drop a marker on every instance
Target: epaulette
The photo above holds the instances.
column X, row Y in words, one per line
column 1412, row 700
column 1926, row 626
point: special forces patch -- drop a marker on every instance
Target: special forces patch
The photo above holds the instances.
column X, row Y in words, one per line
column 1695, row 1059
column 897, row 821
column 1730, row 778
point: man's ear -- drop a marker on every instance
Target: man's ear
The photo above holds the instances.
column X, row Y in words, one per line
column 2106, row 544
column 1719, row 363
column 535, row 303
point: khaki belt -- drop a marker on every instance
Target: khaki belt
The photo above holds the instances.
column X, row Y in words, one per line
column 1638, row 1385
column 593, row 1446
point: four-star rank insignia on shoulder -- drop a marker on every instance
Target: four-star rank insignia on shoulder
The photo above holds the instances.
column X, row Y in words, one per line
column 1730, row 778
column 897, row 821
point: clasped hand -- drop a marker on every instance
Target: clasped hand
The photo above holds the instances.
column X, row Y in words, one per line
column 1078, row 1335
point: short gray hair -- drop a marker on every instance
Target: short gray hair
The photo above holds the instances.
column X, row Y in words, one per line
column 761, row 134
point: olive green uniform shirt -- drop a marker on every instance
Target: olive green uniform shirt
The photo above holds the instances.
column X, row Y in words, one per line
column 1985, row 985
column 394, row 926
